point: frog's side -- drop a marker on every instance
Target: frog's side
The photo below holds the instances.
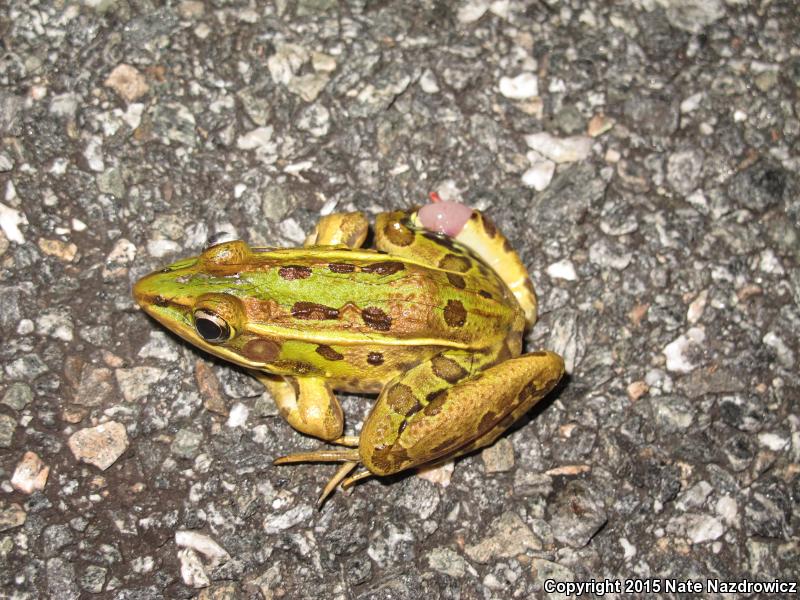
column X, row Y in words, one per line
column 423, row 320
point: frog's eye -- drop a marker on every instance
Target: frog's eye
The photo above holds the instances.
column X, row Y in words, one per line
column 211, row 327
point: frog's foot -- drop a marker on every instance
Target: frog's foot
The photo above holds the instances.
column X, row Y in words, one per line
column 350, row 459
column 346, row 229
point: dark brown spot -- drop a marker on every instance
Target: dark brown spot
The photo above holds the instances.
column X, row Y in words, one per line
column 329, row 353
column 261, row 350
column 398, row 234
column 313, row 311
column 474, row 216
column 431, row 396
column 485, row 294
column 375, row 318
column 388, row 267
column 528, row 391
column 160, row 301
column 390, row 460
column 292, row 272
column 454, row 313
column 538, row 353
column 507, row 246
column 447, row 369
column 400, row 398
column 413, row 410
column 341, row 267
column 375, row 358
column 456, row 281
column 489, row 226
column 487, row 422
column 452, row 262
column 435, row 407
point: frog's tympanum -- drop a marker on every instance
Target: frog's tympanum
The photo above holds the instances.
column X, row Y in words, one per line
column 431, row 320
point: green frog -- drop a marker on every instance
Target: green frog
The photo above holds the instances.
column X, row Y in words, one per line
column 431, row 320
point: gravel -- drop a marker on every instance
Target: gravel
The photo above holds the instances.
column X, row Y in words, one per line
column 643, row 159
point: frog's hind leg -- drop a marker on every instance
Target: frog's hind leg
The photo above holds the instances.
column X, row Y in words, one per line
column 414, row 235
column 339, row 229
column 438, row 410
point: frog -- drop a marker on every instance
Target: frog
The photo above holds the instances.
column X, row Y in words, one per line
column 431, row 318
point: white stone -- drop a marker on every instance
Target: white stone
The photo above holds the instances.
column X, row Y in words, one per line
column 691, row 103
column 628, row 549
column 539, row 175
column 521, row 87
column 769, row 263
column 704, row 528
column 563, row 269
column 93, row 153
column 292, row 517
column 10, row 220
column 260, row 137
column 428, row 82
column 677, row 351
column 238, row 415
column 560, row 150
column 472, row 10
column 728, row 510
column 697, row 307
column 784, row 352
column 772, row 441
column 192, row 571
column 200, row 542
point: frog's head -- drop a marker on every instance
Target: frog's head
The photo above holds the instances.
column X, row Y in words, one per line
column 201, row 300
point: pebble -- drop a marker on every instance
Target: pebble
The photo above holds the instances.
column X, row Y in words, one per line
column 30, row 475
column 540, row 173
column 577, row 514
column 127, row 82
column 521, row 87
column 440, row 475
column 134, row 383
column 238, row 415
column 294, row 516
column 18, row 396
column 202, row 543
column 563, row 269
column 186, row 443
column 117, row 261
column 11, row 515
column 681, row 352
column 498, row 457
column 8, row 425
column 560, row 150
column 66, row 251
column 449, row 562
column 193, row 572
column 10, row 220
column 100, row 446
column 509, row 536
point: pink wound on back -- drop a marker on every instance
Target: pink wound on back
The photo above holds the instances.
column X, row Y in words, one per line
column 444, row 217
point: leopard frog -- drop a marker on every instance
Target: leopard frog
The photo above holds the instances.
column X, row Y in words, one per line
column 431, row 320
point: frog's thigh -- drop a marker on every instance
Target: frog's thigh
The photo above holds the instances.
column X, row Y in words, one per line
column 412, row 424
column 348, row 229
column 307, row 404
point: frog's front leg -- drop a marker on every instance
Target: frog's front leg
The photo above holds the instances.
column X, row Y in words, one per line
column 347, row 229
column 438, row 410
column 307, row 403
